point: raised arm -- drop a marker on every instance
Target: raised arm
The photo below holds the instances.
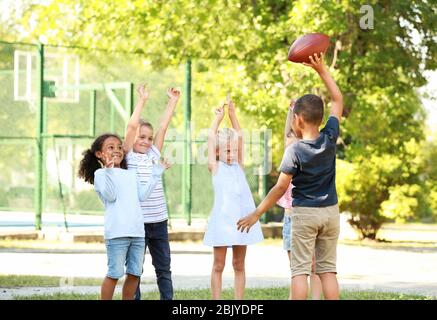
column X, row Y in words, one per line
column 269, row 201
column 236, row 127
column 335, row 93
column 287, row 127
column 144, row 191
column 173, row 98
column 212, row 134
column 132, row 125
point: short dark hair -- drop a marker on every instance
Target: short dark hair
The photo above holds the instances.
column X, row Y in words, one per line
column 310, row 108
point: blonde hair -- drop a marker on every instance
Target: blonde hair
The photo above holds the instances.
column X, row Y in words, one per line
column 224, row 136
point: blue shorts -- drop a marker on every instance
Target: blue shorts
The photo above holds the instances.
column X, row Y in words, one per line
column 286, row 233
column 126, row 251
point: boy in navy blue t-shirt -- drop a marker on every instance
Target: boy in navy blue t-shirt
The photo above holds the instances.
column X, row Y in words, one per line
column 310, row 163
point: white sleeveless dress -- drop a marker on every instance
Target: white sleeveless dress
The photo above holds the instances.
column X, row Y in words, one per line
column 232, row 201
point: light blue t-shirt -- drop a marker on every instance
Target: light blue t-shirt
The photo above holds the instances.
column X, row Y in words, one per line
column 121, row 192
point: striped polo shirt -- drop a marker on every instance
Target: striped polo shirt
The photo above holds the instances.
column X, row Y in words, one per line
column 154, row 209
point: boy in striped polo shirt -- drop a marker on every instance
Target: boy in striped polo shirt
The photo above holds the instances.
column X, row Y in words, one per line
column 143, row 150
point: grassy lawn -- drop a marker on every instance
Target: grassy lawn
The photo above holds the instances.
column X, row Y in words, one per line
column 251, row 294
column 16, row 281
column 276, row 293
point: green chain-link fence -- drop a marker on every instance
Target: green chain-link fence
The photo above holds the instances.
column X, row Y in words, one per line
column 55, row 100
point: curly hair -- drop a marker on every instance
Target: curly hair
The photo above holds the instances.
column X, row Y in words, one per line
column 90, row 163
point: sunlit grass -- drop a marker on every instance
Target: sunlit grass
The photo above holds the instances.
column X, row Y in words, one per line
column 228, row 294
column 17, row 281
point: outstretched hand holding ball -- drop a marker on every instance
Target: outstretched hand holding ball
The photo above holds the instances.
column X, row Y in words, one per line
column 316, row 62
column 307, row 46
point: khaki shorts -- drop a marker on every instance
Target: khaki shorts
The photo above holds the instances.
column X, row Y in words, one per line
column 314, row 229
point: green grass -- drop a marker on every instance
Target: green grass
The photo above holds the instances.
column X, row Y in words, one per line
column 16, row 281
column 251, row 294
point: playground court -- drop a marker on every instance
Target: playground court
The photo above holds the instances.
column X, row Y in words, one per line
column 409, row 270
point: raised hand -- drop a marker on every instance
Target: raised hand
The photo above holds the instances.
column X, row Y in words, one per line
column 173, row 94
column 231, row 106
column 142, row 91
column 316, row 62
column 109, row 161
column 335, row 93
column 165, row 164
column 220, row 112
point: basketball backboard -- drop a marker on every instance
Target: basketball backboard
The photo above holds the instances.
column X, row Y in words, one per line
column 60, row 69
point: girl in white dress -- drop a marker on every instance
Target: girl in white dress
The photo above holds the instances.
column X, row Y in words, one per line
column 232, row 200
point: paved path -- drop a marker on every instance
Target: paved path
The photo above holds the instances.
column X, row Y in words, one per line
column 359, row 268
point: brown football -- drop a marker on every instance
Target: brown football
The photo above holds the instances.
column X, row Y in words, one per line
column 306, row 46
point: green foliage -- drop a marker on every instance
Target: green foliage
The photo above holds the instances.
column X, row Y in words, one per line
column 378, row 71
column 433, row 201
column 402, row 203
column 377, row 188
column 361, row 193
column 3, row 198
column 429, row 174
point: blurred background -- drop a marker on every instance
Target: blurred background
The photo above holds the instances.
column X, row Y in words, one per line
column 68, row 71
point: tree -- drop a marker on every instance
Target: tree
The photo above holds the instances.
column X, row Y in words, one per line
column 257, row 34
column 379, row 188
column 378, row 70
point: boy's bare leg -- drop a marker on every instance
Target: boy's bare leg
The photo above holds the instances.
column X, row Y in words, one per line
column 315, row 283
column 129, row 287
column 330, row 286
column 238, row 259
column 217, row 271
column 108, row 287
column 299, row 286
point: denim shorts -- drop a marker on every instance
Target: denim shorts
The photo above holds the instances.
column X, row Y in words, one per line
column 126, row 251
column 286, row 233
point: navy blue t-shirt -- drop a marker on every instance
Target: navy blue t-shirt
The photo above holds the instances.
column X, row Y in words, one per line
column 312, row 164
